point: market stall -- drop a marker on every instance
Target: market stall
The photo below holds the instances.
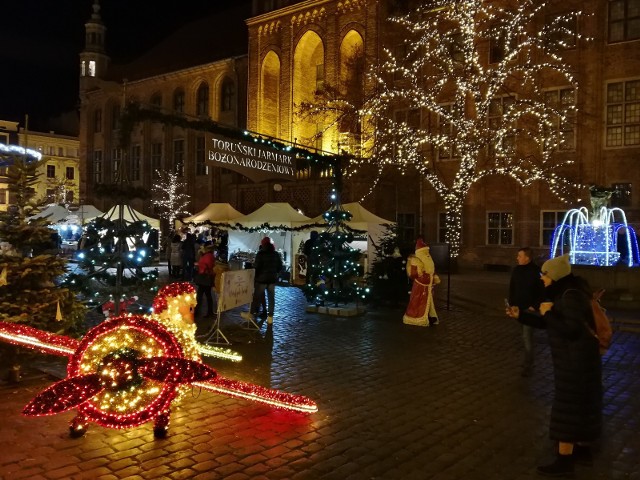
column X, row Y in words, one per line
column 280, row 221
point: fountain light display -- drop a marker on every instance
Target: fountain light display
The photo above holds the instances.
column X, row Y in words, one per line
column 603, row 238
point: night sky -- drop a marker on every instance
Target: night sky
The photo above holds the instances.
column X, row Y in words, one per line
column 41, row 39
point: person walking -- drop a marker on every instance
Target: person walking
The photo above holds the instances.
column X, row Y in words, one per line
column 525, row 292
column 576, row 412
column 268, row 265
column 204, row 279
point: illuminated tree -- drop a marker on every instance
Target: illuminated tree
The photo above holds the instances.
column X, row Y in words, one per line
column 169, row 197
column 467, row 81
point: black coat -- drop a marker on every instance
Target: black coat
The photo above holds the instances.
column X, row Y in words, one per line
column 268, row 265
column 576, row 413
column 525, row 287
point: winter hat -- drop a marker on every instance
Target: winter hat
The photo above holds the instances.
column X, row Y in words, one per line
column 556, row 268
column 420, row 244
column 265, row 241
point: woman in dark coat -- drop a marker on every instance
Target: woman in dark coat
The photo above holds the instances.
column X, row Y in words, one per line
column 576, row 413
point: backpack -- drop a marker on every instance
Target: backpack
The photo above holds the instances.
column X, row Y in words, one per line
column 603, row 332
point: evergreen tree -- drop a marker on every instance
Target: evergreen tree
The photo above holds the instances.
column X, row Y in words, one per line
column 30, row 268
column 388, row 280
column 334, row 266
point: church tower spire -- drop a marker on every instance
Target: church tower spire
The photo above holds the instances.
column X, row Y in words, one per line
column 93, row 59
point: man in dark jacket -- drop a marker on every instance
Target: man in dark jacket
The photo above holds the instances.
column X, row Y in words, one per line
column 268, row 265
column 525, row 292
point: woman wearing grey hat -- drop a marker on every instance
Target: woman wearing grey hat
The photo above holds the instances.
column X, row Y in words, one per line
column 576, row 412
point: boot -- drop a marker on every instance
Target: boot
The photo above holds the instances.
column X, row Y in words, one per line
column 562, row 466
column 582, row 455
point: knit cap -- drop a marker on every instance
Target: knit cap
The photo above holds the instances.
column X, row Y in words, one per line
column 556, row 268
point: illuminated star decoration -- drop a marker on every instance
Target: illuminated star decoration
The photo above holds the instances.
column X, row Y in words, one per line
column 128, row 370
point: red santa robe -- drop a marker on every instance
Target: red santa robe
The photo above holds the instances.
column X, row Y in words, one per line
column 420, row 267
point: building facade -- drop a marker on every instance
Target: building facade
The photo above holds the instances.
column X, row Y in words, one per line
column 58, row 173
column 297, row 50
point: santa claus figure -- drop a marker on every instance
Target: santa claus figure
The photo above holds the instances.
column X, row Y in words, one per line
column 420, row 268
column 109, row 308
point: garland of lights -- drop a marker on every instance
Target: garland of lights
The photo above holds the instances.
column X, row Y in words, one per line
column 129, row 369
column 168, row 196
column 481, row 108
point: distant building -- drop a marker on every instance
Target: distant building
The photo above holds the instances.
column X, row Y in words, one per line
column 258, row 78
column 58, row 175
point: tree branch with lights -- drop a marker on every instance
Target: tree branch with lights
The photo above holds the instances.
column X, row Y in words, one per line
column 435, row 96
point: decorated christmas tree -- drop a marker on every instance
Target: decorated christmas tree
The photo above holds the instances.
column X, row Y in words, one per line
column 30, row 267
column 388, row 279
column 333, row 267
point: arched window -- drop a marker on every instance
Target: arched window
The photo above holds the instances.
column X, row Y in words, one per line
column 156, row 101
column 308, row 79
column 202, row 100
column 269, row 100
column 178, row 101
column 228, row 95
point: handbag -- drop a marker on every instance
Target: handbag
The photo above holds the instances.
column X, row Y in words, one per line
column 203, row 279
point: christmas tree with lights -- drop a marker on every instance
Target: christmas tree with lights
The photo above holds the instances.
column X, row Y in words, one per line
column 115, row 252
column 30, row 267
column 334, row 267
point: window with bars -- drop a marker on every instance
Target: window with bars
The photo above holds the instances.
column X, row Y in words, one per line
column 561, row 100
column 624, row 20
column 201, row 166
column 136, row 159
column 549, row 220
column 97, row 166
column 202, row 100
column 178, row 157
column 156, row 159
column 623, row 114
column 499, row 228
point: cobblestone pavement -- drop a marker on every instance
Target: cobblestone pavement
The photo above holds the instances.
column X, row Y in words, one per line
column 395, row 402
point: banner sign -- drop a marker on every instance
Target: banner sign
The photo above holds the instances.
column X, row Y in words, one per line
column 254, row 160
column 237, row 289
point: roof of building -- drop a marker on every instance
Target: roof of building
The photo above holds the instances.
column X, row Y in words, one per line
column 206, row 40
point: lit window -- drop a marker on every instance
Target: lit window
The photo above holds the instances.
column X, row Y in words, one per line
column 92, row 68
column 499, row 228
column 623, row 114
column 83, row 69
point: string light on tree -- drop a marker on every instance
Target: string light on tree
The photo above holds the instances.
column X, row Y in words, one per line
column 168, row 196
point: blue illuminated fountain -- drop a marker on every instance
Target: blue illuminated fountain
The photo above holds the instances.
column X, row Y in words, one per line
column 601, row 239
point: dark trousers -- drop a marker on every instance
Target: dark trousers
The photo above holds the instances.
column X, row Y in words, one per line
column 206, row 291
column 258, row 297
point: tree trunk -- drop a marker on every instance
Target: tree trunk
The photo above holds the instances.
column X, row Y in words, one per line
column 453, row 210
